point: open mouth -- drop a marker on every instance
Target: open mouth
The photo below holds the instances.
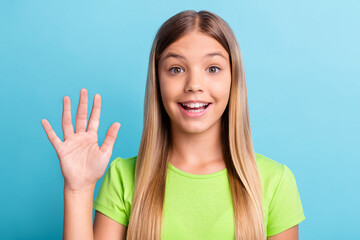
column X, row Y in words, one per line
column 194, row 109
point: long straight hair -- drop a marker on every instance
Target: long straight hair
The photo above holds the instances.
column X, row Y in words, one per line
column 145, row 221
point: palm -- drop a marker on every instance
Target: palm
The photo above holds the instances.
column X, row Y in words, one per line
column 82, row 161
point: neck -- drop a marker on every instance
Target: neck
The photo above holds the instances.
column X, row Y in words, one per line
column 196, row 149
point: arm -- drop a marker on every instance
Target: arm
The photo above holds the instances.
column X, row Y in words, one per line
column 107, row 228
column 78, row 214
column 289, row 234
column 82, row 164
column 78, row 219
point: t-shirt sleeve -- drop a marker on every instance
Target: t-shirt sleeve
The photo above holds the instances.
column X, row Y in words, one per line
column 285, row 209
column 110, row 199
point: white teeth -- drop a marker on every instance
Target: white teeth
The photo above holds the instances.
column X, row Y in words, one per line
column 194, row 105
column 196, row 111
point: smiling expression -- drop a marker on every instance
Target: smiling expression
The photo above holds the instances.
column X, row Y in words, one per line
column 195, row 69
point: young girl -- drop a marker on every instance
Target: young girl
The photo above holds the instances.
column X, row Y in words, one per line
column 196, row 175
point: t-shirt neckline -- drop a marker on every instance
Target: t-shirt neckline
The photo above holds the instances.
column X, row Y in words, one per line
column 191, row 175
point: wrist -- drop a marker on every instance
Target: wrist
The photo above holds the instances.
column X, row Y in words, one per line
column 79, row 190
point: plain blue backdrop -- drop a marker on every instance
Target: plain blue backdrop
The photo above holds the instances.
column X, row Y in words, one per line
column 301, row 63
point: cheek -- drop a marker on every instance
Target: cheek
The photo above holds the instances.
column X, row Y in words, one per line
column 170, row 88
column 221, row 90
column 227, row 85
column 168, row 94
column 163, row 87
column 166, row 91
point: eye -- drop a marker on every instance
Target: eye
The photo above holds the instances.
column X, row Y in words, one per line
column 176, row 70
column 214, row 69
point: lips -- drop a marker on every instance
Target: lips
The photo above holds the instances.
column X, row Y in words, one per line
column 194, row 108
column 194, row 101
column 194, row 112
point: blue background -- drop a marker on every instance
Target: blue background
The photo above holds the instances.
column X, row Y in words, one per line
column 301, row 62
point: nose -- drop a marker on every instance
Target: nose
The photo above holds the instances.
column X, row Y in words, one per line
column 194, row 81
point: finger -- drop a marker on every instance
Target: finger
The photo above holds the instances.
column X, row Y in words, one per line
column 67, row 126
column 80, row 122
column 54, row 139
column 95, row 114
column 110, row 138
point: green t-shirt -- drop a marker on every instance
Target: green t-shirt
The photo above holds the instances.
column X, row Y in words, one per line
column 200, row 206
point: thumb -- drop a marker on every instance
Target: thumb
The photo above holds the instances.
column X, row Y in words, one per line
column 110, row 138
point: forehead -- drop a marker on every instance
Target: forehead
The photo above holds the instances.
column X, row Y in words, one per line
column 195, row 45
column 170, row 55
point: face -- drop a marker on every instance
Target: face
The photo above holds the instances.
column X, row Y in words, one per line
column 195, row 68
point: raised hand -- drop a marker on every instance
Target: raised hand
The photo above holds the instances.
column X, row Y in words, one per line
column 82, row 161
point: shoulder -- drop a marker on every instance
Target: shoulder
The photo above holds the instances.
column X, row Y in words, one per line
column 124, row 164
column 278, row 181
column 272, row 174
column 282, row 207
column 115, row 195
column 271, row 171
column 268, row 168
column 122, row 170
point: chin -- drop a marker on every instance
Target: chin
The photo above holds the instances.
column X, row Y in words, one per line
column 196, row 128
column 194, row 131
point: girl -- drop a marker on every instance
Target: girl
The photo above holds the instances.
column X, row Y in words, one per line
column 196, row 175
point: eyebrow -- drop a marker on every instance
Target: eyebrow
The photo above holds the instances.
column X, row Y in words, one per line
column 174, row 55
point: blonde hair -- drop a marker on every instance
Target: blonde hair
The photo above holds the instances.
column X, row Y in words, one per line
column 152, row 160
